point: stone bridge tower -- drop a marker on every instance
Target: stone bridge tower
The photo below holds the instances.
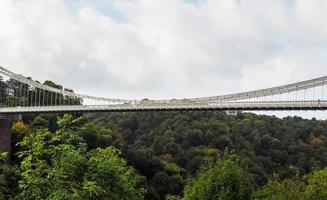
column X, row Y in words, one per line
column 6, row 122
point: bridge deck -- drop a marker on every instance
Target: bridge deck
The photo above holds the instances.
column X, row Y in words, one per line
column 255, row 105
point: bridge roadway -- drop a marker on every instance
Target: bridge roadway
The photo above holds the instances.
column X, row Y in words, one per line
column 303, row 85
column 223, row 106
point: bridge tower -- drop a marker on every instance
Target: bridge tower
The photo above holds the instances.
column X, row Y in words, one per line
column 6, row 122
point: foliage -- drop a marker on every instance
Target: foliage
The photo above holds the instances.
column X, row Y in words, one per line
column 166, row 149
column 120, row 180
column 8, row 178
column 225, row 180
column 58, row 166
column 317, row 185
column 173, row 197
column 267, row 145
column 276, row 189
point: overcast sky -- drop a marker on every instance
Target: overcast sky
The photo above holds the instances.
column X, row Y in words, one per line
column 164, row 48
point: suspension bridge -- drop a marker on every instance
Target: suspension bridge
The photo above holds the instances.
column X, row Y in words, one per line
column 19, row 95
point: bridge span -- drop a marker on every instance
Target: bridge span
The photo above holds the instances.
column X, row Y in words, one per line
column 19, row 94
column 223, row 106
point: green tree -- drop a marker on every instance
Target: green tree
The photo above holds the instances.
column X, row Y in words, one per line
column 108, row 177
column 317, row 185
column 276, row 189
column 58, row 166
column 225, row 180
column 8, row 178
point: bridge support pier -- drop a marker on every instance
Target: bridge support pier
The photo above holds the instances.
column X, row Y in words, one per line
column 6, row 122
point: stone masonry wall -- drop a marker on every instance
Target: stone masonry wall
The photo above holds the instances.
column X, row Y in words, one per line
column 5, row 135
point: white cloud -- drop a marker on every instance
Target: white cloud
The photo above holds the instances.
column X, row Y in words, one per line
column 165, row 48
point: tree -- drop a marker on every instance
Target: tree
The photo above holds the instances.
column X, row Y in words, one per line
column 8, row 178
column 108, row 177
column 276, row 189
column 225, row 180
column 58, row 166
column 317, row 185
column 164, row 184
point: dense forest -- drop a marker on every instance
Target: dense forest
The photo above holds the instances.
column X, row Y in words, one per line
column 165, row 155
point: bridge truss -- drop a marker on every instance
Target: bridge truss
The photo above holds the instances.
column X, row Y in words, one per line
column 19, row 94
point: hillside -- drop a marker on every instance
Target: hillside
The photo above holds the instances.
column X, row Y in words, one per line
column 160, row 155
column 170, row 147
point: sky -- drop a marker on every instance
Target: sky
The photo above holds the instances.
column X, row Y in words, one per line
column 165, row 48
